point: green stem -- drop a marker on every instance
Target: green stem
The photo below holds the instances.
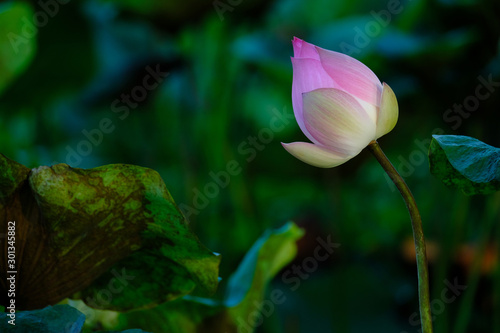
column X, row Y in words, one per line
column 418, row 235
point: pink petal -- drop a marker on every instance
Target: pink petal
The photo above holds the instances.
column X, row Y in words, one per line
column 315, row 155
column 336, row 120
column 388, row 112
column 351, row 75
column 302, row 49
column 308, row 75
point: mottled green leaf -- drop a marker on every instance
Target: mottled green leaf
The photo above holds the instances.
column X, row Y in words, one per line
column 244, row 294
column 17, row 40
column 51, row 319
column 465, row 163
column 112, row 233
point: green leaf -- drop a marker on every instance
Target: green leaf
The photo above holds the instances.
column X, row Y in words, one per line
column 17, row 40
column 245, row 291
column 465, row 163
column 52, row 319
column 266, row 258
column 112, row 233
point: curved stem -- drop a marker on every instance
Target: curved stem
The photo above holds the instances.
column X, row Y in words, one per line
column 418, row 235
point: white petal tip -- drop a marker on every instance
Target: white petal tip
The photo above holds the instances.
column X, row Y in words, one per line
column 315, row 155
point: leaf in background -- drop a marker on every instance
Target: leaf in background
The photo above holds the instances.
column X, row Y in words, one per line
column 52, row 319
column 465, row 163
column 396, row 43
column 17, row 40
column 244, row 294
column 114, row 230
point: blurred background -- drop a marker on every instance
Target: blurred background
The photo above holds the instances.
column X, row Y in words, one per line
column 201, row 92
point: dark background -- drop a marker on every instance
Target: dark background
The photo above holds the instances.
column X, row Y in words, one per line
column 72, row 64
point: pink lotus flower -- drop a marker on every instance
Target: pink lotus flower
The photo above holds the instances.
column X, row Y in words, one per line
column 339, row 104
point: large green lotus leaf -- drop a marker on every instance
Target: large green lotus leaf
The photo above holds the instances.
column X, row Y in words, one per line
column 465, row 163
column 113, row 234
column 244, row 294
column 51, row 319
column 17, row 40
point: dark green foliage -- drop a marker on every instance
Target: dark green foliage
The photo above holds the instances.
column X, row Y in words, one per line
column 245, row 293
column 229, row 81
